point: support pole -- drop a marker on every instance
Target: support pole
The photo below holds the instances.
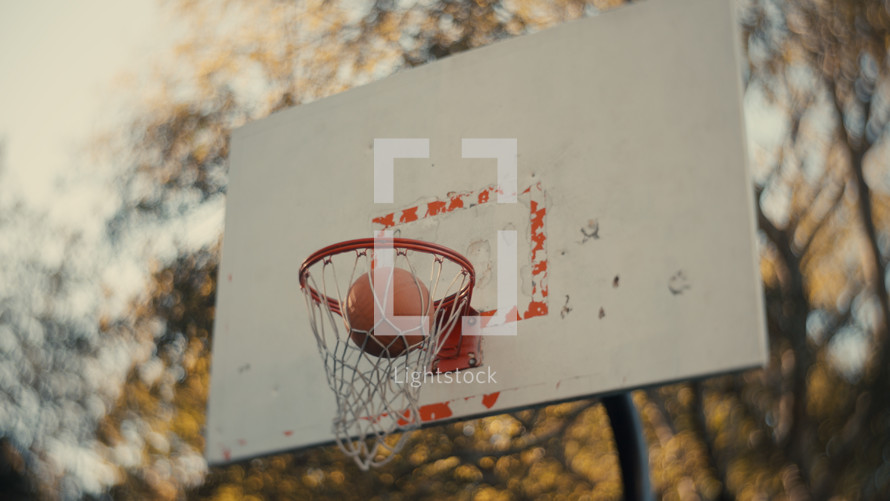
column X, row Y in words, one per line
column 633, row 454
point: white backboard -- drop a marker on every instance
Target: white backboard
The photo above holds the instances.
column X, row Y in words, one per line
column 634, row 217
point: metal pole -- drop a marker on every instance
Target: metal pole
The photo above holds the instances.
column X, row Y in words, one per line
column 633, row 454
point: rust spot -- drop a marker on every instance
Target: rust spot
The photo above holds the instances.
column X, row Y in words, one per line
column 489, row 400
column 227, row 454
column 594, row 232
column 242, row 442
column 288, row 433
column 602, row 313
column 230, row 277
column 615, row 281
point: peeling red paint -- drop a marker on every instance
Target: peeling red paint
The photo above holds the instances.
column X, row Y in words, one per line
column 538, row 239
column 435, row 412
column 537, row 216
column 536, row 309
column 408, row 215
column 375, row 419
column 489, row 400
column 537, row 225
column 435, row 208
column 540, row 291
column 431, row 412
column 404, row 421
column 456, row 203
column 513, row 315
column 387, row 221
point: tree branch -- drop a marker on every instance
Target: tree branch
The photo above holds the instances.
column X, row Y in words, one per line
column 825, row 217
column 773, row 233
column 880, row 363
column 700, row 425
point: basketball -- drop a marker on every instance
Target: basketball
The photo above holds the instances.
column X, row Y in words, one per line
column 410, row 298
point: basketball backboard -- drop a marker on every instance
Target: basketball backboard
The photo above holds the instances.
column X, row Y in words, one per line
column 612, row 147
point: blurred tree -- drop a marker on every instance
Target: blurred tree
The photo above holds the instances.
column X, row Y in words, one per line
column 155, row 430
column 14, row 481
column 814, row 424
column 57, row 375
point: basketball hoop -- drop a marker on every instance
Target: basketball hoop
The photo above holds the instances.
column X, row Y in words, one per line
column 369, row 359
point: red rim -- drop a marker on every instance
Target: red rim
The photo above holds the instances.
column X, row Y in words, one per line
column 397, row 243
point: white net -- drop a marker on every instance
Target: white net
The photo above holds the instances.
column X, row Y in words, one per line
column 375, row 348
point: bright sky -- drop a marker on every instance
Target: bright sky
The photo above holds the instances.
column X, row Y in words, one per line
column 58, row 59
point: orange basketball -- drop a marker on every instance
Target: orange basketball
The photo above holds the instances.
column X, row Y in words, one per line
column 410, row 297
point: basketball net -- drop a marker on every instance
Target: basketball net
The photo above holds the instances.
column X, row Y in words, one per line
column 375, row 395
